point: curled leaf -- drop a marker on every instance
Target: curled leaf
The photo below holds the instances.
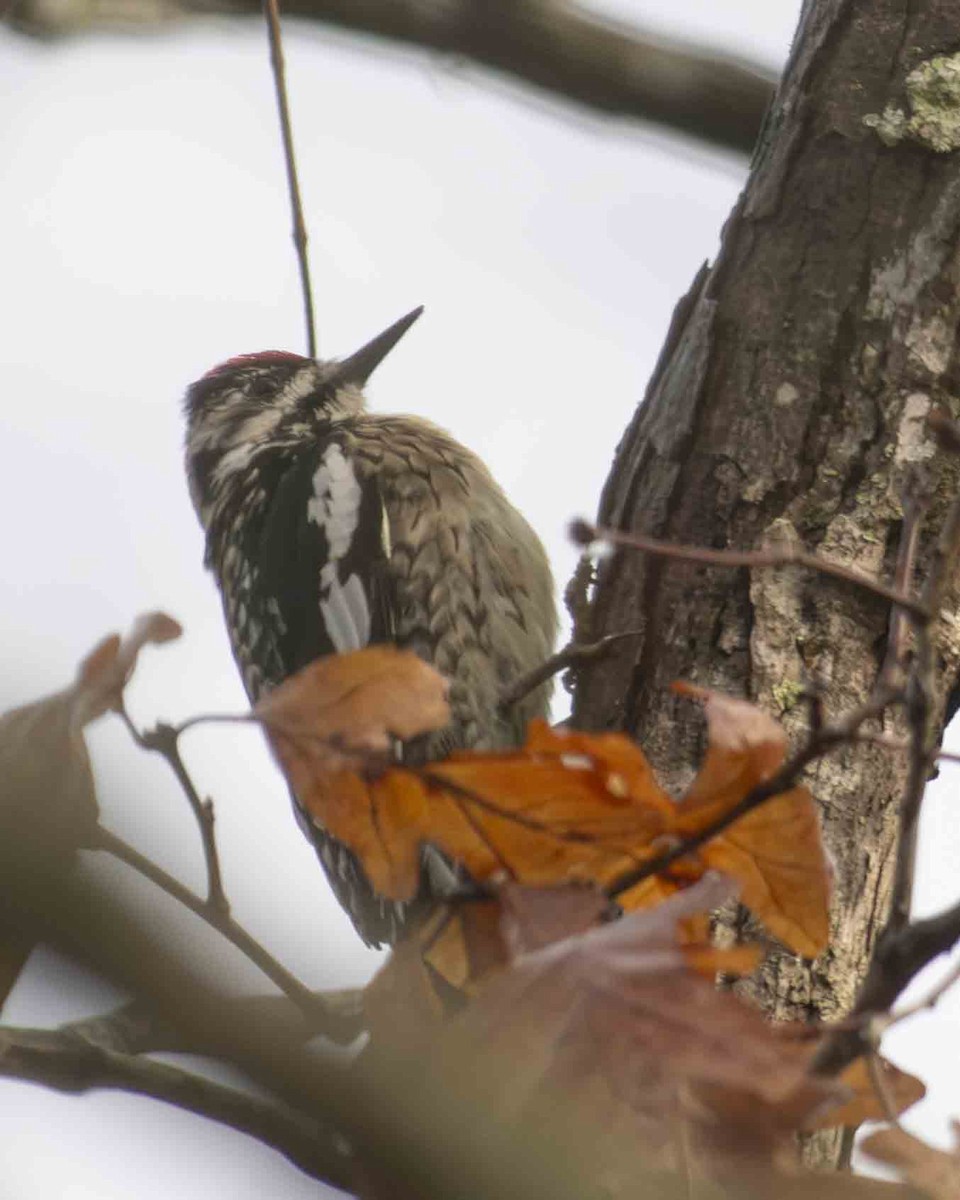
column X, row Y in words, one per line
column 345, row 712
column 901, row 1089
column 48, row 802
column 775, row 851
column 105, row 671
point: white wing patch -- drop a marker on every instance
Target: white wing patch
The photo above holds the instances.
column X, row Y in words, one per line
column 335, row 507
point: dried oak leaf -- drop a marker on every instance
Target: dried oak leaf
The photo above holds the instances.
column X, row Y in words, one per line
column 550, row 813
column 479, row 938
column 775, row 851
column 48, row 803
column 935, row 1172
column 344, row 712
column 106, row 670
column 566, row 807
column 613, row 1029
column 901, row 1088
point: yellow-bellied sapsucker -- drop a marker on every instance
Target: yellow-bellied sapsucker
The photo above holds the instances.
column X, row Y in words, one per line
column 329, row 528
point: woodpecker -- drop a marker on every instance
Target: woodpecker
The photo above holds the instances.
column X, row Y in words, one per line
column 329, row 528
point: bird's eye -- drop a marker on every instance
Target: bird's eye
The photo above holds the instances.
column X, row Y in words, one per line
column 260, row 387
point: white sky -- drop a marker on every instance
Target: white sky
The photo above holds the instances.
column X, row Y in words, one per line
column 143, row 237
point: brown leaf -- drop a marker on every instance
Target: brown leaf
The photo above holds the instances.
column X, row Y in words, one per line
column 477, row 938
column 400, row 1004
column 567, row 807
column 864, row 1104
column 532, row 918
column 554, row 812
column 614, row 1025
column 343, row 712
column 776, row 854
column 711, row 961
column 746, row 747
column 775, row 851
column 48, row 803
column 935, row 1172
column 105, row 671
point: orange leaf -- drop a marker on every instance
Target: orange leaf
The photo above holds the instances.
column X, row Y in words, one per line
column 729, row 960
column 564, row 811
column 901, row 1088
column 775, row 851
column 776, row 855
column 746, row 746
column 345, row 711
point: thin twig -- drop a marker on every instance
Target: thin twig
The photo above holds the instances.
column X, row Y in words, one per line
column 574, row 652
column 825, row 739
column 164, row 740
column 583, row 534
column 902, row 744
column 915, row 505
column 65, row 1062
column 271, row 12
column 898, row 957
column 930, row 1000
column 322, row 1019
column 881, row 1090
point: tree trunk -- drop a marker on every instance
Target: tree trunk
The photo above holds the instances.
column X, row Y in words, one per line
column 789, row 403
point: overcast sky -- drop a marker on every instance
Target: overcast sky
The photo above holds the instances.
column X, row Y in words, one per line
column 143, row 237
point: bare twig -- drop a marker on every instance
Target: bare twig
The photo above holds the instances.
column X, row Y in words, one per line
column 915, row 505
column 881, row 1089
column 574, row 652
column 397, row 1127
column 930, row 1000
column 329, row 1022
column 164, row 740
column 583, row 534
column 62, row 1060
column 271, row 12
column 899, row 956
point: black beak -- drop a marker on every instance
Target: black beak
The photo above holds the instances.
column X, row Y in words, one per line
column 358, row 368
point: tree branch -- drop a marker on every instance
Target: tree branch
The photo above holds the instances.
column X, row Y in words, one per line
column 584, row 533
column 899, row 956
column 66, row 1062
column 165, row 741
column 136, row 1028
column 555, row 46
column 338, row 1024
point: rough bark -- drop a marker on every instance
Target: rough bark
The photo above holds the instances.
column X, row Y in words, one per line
column 789, row 402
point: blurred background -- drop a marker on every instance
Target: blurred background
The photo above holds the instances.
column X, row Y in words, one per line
column 144, row 237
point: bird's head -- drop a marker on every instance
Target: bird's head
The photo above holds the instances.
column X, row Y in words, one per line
column 271, row 397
